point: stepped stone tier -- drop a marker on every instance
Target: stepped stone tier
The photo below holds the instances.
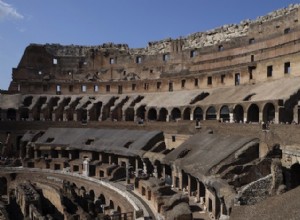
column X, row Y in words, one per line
column 199, row 127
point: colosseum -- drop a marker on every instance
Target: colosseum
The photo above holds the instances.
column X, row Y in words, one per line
column 199, row 127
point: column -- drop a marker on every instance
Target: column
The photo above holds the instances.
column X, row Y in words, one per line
column 231, row 118
column 155, row 174
column 85, row 170
column 260, row 115
column 192, row 116
column 276, row 119
column 136, row 167
column 189, row 184
column 295, row 115
column 198, row 192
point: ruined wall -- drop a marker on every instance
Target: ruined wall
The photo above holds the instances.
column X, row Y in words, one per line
column 115, row 68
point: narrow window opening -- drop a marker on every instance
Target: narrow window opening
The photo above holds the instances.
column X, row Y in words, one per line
column 138, row 60
column 120, row 89
column 166, row 57
column 107, row 88
column 151, row 71
column 158, row 85
column 170, row 86
column 287, row 68
column 223, row 78
column 54, row 61
column 269, row 71
column 133, row 87
column 196, row 82
column 173, row 138
column 183, row 83
column 209, row 80
column 237, row 79
column 83, row 88
column 251, row 41
column 250, row 70
column 70, row 88
column 193, row 53
column 96, row 88
column 111, row 61
column 146, row 86
column 58, row 89
column 124, row 73
column 252, row 58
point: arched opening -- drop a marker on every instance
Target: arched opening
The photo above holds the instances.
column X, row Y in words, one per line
column 111, row 204
column 140, row 112
column 92, row 195
column 198, row 114
column 102, row 199
column 129, row 114
column 211, row 113
column 269, row 113
column 224, row 113
column 238, row 113
column 163, row 113
column 95, row 111
column 152, row 114
column 253, row 113
column 175, row 114
column 3, row 186
column 11, row 114
column 292, row 176
column 187, row 114
column 117, row 113
column 24, row 113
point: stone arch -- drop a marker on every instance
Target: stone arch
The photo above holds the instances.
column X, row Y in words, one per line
column 293, row 178
column 175, row 113
column 238, row 113
column 117, row 113
column 11, row 114
column 3, row 186
column 92, row 195
column 224, row 113
column 102, row 199
column 211, row 113
column 198, row 114
column 268, row 112
column 253, row 113
column 187, row 114
column 141, row 111
column 163, row 113
column 152, row 114
column 111, row 204
column 129, row 114
column 24, row 113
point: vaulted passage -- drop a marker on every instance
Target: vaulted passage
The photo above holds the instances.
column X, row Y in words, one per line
column 176, row 114
column 198, row 114
column 129, row 114
column 152, row 114
column 269, row 113
column 141, row 112
column 187, row 114
column 224, row 113
column 253, row 113
column 211, row 113
column 11, row 114
column 163, row 113
column 238, row 113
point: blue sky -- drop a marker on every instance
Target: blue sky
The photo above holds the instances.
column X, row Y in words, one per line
column 94, row 22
